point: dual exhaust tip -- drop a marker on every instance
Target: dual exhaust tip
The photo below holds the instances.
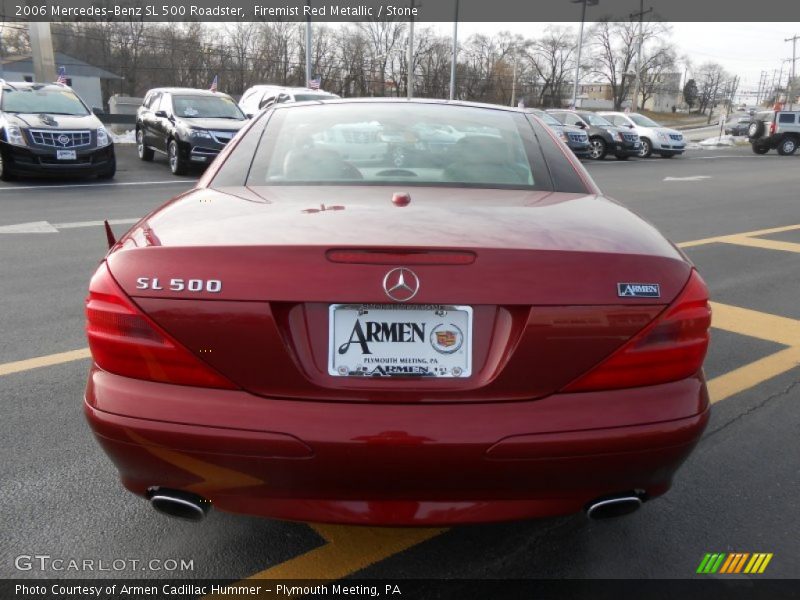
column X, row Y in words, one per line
column 179, row 504
column 192, row 507
column 618, row 505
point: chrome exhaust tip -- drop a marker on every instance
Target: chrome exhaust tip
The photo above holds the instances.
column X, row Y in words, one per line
column 613, row 506
column 179, row 504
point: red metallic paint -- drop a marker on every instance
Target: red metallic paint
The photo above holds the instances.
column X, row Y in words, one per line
column 396, row 464
column 295, row 443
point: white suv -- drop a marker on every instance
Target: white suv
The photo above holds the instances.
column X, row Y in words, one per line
column 655, row 138
column 259, row 97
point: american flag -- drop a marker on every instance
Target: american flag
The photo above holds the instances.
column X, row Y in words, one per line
column 314, row 83
column 213, row 87
column 62, row 76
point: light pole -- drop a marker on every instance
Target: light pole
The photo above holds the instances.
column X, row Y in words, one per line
column 642, row 12
column 583, row 3
column 410, row 82
column 455, row 55
column 790, row 87
column 308, row 46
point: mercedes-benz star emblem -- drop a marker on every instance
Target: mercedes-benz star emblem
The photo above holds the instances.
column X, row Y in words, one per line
column 401, row 284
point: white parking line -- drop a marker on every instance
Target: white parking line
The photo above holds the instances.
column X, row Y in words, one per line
column 45, row 227
column 77, row 185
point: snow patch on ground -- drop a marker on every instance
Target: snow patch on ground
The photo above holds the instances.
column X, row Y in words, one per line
column 725, row 140
column 129, row 137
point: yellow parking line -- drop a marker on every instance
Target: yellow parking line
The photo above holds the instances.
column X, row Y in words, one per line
column 754, row 242
column 347, row 550
column 752, row 323
column 720, row 238
column 43, row 361
column 751, row 374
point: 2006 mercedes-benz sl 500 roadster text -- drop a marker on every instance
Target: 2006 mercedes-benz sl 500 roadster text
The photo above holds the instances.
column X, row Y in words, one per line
column 396, row 312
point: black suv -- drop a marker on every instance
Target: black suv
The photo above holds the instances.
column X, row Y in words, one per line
column 190, row 126
column 577, row 140
column 775, row 129
column 46, row 129
column 604, row 136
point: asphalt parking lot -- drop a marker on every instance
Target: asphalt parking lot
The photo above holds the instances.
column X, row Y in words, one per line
column 737, row 216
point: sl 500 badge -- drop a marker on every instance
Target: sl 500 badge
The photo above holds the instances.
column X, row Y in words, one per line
column 212, row 286
column 638, row 290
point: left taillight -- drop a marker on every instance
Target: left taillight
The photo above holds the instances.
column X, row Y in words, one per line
column 671, row 348
column 124, row 341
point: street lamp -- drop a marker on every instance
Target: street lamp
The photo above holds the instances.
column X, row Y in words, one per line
column 584, row 3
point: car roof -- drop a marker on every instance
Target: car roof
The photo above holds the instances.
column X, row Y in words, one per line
column 186, row 90
column 282, row 88
column 34, row 85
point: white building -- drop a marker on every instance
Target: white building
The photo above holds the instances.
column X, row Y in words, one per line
column 81, row 77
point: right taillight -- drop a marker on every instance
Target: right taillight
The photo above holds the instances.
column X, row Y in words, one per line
column 123, row 340
column 671, row 348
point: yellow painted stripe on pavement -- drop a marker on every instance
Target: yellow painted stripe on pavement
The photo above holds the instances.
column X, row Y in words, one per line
column 348, row 549
column 750, row 375
column 43, row 361
column 753, row 242
column 752, row 323
column 720, row 238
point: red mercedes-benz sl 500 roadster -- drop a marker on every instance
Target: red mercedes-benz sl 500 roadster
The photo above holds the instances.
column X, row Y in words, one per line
column 396, row 312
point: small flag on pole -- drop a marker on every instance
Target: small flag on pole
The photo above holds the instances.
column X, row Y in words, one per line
column 62, row 76
column 213, row 87
column 314, row 83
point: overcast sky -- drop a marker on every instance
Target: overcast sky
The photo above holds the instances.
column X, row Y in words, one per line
column 744, row 49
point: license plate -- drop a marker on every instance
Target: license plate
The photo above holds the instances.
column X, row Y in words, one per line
column 65, row 154
column 378, row 340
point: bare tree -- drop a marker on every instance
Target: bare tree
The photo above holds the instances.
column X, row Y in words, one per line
column 657, row 67
column 552, row 60
column 614, row 46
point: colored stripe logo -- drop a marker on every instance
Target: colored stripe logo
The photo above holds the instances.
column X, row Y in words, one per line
column 734, row 563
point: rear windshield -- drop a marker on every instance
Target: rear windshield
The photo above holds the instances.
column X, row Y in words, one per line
column 206, row 107
column 52, row 102
column 377, row 144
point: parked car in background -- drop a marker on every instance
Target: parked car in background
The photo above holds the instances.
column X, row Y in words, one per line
column 654, row 138
column 46, row 129
column 738, row 126
column 190, row 126
column 260, row 97
column 604, row 137
column 775, row 129
column 574, row 137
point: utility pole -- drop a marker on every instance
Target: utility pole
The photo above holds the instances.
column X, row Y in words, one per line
column 410, row 83
column 642, row 12
column 455, row 55
column 44, row 63
column 514, row 80
column 309, row 74
column 580, row 47
column 791, row 92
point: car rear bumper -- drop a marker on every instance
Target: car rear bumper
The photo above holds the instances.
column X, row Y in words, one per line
column 399, row 464
column 29, row 160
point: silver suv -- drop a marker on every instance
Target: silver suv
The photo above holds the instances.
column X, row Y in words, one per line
column 775, row 129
